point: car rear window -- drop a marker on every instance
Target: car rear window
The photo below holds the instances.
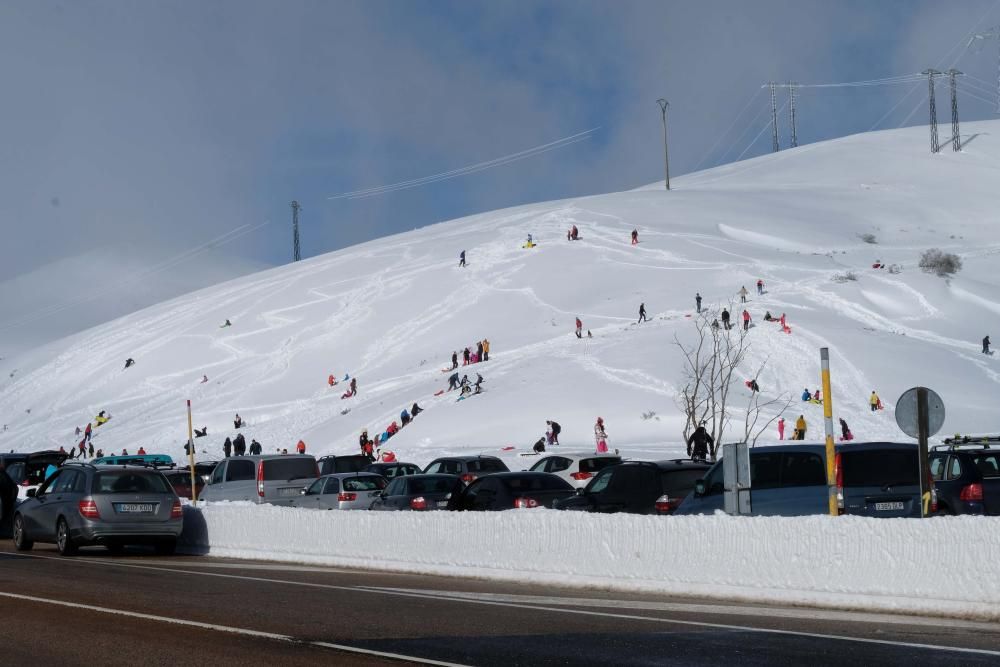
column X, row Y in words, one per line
column 487, row 465
column 130, row 482
column 364, row 484
column 351, row 463
column 802, row 469
column 599, row 463
column 680, row 482
column 880, row 467
column 287, row 469
column 537, row 483
column 432, row 485
column 988, row 463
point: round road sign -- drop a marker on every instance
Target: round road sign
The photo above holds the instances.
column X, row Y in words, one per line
column 906, row 413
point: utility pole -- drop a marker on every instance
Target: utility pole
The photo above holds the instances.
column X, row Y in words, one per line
column 931, row 73
column 666, row 155
column 791, row 112
column 992, row 33
column 774, row 120
column 296, row 256
column 956, row 142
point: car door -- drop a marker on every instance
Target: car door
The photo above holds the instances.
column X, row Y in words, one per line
column 765, row 483
column 310, row 498
column 328, row 499
column 390, row 495
column 623, row 481
column 52, row 503
column 241, row 479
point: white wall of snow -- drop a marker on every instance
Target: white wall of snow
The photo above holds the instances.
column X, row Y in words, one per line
column 935, row 567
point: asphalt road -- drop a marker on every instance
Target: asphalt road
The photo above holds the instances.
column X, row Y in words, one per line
column 142, row 609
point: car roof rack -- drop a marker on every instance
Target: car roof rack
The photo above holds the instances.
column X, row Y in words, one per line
column 972, row 440
column 86, row 464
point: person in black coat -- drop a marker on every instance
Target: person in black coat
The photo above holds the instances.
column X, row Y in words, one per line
column 227, row 448
column 240, row 445
column 698, row 444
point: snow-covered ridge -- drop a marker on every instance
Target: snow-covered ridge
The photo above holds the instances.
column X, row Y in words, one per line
column 390, row 312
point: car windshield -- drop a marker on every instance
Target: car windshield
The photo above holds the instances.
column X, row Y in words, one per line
column 599, row 463
column 885, row 467
column 364, row 483
column 537, row 483
column 286, row 469
column 130, row 482
column 988, row 463
column 432, row 485
column 487, row 465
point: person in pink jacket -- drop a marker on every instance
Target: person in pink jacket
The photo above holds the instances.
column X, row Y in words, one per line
column 600, row 436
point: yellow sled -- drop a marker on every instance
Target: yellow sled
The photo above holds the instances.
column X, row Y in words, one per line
column 529, row 245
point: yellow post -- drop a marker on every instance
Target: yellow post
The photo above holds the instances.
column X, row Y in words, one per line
column 831, row 474
column 194, row 488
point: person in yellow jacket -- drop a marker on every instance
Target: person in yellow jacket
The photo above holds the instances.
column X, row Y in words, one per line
column 800, row 428
column 486, row 350
column 874, row 401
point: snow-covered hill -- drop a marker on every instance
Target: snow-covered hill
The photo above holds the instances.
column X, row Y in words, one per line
column 390, row 312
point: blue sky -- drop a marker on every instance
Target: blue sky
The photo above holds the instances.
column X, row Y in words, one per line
column 162, row 125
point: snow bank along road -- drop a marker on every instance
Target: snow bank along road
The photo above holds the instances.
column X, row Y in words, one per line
column 932, row 567
column 136, row 609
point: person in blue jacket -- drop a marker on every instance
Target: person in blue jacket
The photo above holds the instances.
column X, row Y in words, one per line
column 404, row 417
column 806, row 395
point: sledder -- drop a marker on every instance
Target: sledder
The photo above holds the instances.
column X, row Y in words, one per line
column 529, row 243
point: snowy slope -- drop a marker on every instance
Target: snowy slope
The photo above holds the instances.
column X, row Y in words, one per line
column 390, row 312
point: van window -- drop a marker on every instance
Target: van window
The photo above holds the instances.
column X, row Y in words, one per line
column 239, row 470
column 557, row 463
column 332, row 486
column 433, row 485
column 880, row 467
column 286, row 469
column 217, row 473
column 937, row 468
column 802, row 469
column 487, row 465
column 954, row 468
column 988, row 463
column 765, row 470
column 449, row 467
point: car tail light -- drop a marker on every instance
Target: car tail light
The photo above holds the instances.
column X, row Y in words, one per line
column 418, row 503
column 839, row 475
column 667, row 504
column 346, row 496
column 467, row 477
column 88, row 509
column 260, row 478
column 932, row 489
column 580, row 476
column 175, row 510
column 971, row 493
column 525, row 503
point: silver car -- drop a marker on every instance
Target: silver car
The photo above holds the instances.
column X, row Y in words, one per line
column 82, row 504
column 276, row 479
column 343, row 491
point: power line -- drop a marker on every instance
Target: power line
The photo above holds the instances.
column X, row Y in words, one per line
column 752, row 124
column 728, row 130
column 760, row 134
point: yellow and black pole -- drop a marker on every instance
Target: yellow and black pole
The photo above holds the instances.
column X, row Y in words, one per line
column 831, row 473
column 190, row 448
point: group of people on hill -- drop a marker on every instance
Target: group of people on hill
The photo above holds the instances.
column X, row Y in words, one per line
column 370, row 447
column 473, row 354
column 465, row 385
column 238, row 446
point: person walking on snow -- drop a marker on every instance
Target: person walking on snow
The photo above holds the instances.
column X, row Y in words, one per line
column 579, row 328
column 552, row 432
column 239, row 445
column 600, row 436
column 635, row 237
column 465, row 357
column 642, row 314
column 454, row 360
column 90, row 450
column 781, row 428
column 725, row 319
column 746, row 320
column 486, row 349
column 453, row 382
column 129, row 362
column 479, row 383
column 986, row 345
column 760, row 287
column 227, row 448
column 404, row 417
column 354, row 386
column 479, row 350
column 254, row 447
column 697, row 301
column 800, row 428
column 461, row 259
column 743, row 294
column 874, row 401
column 845, row 431
column 87, row 432
column 699, row 442
column 83, row 448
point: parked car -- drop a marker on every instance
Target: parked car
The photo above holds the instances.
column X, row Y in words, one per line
column 967, row 479
column 576, row 468
column 134, row 460
column 8, row 499
column 27, row 470
column 342, row 491
column 390, row 470
column 511, row 490
column 83, row 504
column 879, row 479
column 468, row 468
column 638, row 487
column 418, row 492
column 180, row 481
column 343, row 463
column 277, row 479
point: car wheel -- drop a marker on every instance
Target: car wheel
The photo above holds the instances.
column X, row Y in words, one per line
column 166, row 548
column 21, row 541
column 63, row 540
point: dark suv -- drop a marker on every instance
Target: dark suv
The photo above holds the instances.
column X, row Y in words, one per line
column 637, row 487
column 967, row 479
column 328, row 465
column 468, row 468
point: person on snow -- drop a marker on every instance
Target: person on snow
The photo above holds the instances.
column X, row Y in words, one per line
column 760, row 287
column 569, row 234
column 238, row 421
column 767, row 317
column 845, row 432
column 404, row 417
column 392, row 429
column 575, row 233
column 589, row 335
column 461, row 259
column 698, row 445
column 254, row 448
column 743, row 294
column 354, row 386
column 600, row 436
column 415, row 410
column 62, row 450
column 817, row 396
column 781, row 428
column 806, row 395
column 453, row 382
column 782, row 321
column 464, row 384
column 300, row 447
column 486, row 349
column 454, row 360
column 986, row 345
column 715, row 323
column 240, row 445
column 227, row 448
column 530, row 242
column 642, row 313
column 331, row 380
column 227, row 323
column 204, row 379
column 800, row 428
column 86, row 433
column 697, row 301
column 465, row 356
column 129, row 362
column 479, row 350
column 142, row 451
column 752, row 385
column 83, row 448
column 72, row 453
column 874, row 401
column 554, row 429
column 746, row 320
column 725, row 319
column 90, row 450
column 100, row 453
column 579, row 328
column 539, row 446
column 78, row 431
column 635, row 237
column 202, row 433
column 479, row 383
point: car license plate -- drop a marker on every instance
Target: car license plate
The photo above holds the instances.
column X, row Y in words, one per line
column 888, row 507
column 442, row 503
column 289, row 491
column 135, row 508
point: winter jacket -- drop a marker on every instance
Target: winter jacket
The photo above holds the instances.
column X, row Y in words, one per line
column 800, row 425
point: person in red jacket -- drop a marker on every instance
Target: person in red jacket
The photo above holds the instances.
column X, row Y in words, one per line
column 746, row 320
column 301, row 447
column 579, row 328
column 142, row 451
column 86, row 432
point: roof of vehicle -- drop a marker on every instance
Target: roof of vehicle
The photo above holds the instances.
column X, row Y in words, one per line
column 391, row 464
column 268, row 457
column 342, row 475
column 341, row 456
column 579, row 455
column 15, row 457
column 466, row 457
column 520, row 473
column 671, row 464
column 110, row 468
column 429, row 475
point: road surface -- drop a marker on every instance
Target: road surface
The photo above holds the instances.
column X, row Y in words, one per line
column 139, row 608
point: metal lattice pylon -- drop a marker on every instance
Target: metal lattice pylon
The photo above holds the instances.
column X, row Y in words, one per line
column 774, row 121
column 931, row 73
column 956, row 141
column 791, row 113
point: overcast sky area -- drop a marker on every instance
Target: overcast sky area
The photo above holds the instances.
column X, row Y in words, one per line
column 151, row 128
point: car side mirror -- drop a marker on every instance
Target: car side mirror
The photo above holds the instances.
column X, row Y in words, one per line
column 31, row 493
column 699, row 487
